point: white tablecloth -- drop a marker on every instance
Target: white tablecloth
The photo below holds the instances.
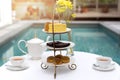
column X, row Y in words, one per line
column 84, row 71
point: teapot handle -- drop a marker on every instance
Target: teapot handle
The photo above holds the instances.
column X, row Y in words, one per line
column 20, row 47
column 48, row 38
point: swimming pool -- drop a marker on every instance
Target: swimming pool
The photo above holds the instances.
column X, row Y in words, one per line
column 93, row 38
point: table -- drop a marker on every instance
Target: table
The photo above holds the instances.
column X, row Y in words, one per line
column 84, row 71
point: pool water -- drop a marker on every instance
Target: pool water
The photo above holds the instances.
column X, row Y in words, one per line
column 93, row 38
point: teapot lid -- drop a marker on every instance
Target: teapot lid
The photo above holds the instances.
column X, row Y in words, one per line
column 35, row 41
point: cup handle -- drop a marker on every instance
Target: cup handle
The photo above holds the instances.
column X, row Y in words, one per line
column 20, row 47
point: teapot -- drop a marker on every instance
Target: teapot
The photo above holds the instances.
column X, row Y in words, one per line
column 35, row 47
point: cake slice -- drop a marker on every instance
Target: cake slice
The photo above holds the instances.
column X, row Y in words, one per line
column 58, row 27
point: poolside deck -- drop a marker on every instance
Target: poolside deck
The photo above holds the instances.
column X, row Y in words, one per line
column 10, row 31
column 113, row 26
column 13, row 29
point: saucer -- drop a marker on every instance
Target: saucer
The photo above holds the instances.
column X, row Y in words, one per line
column 109, row 68
column 16, row 68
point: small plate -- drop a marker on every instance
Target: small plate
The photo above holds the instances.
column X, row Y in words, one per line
column 67, row 30
column 17, row 68
column 110, row 68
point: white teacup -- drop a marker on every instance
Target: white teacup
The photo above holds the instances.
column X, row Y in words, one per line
column 103, row 62
column 17, row 60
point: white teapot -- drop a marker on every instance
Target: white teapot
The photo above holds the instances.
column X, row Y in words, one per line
column 34, row 46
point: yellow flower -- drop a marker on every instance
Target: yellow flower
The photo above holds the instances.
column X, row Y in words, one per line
column 73, row 15
column 64, row 8
column 68, row 4
column 63, row 5
column 68, row 21
column 60, row 9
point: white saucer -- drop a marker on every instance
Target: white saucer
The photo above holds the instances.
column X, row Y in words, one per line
column 17, row 68
column 110, row 68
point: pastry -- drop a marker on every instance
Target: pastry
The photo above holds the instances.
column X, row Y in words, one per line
column 65, row 59
column 50, row 59
column 46, row 27
column 59, row 56
column 58, row 59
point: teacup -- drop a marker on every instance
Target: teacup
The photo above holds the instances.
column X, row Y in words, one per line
column 103, row 62
column 17, row 60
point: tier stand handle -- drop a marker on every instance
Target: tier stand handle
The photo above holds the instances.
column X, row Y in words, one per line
column 53, row 37
column 55, row 72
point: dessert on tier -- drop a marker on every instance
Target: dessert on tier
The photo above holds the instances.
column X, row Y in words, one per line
column 58, row 44
column 58, row 59
column 58, row 27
